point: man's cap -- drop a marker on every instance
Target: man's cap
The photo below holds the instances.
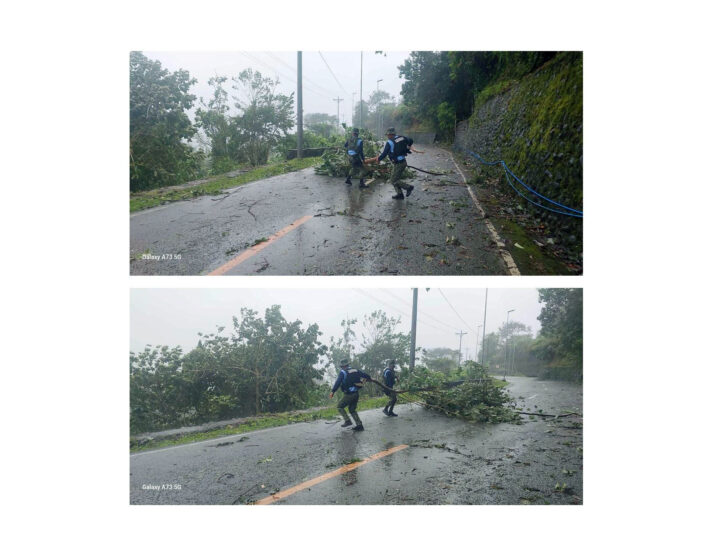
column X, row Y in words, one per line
column 390, row 131
column 345, row 363
column 356, row 130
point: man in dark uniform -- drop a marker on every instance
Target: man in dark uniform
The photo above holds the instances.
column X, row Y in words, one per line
column 356, row 157
column 350, row 380
column 397, row 147
column 389, row 380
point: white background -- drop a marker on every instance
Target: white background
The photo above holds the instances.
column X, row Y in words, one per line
column 650, row 137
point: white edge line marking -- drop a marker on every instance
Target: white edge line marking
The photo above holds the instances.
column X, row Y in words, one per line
column 509, row 262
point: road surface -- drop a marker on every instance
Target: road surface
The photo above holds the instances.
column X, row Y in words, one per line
column 420, row 457
column 301, row 223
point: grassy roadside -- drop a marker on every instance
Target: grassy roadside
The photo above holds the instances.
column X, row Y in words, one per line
column 263, row 422
column 254, row 424
column 215, row 185
column 530, row 258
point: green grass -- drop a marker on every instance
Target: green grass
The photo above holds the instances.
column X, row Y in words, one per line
column 254, row 424
column 215, row 186
column 530, row 259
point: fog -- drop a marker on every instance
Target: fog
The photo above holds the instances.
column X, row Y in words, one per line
column 320, row 88
column 175, row 316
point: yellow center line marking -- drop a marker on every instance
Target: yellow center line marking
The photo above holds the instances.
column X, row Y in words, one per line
column 254, row 250
column 319, row 479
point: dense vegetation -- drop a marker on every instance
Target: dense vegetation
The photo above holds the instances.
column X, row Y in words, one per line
column 160, row 130
column 245, row 124
column 560, row 343
column 270, row 365
column 555, row 353
column 440, row 88
column 266, row 364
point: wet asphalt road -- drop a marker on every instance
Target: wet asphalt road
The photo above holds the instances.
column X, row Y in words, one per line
column 347, row 232
column 448, row 461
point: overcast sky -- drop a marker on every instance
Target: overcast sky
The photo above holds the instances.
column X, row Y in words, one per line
column 175, row 316
column 319, row 86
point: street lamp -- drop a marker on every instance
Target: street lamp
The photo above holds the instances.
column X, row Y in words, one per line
column 507, row 322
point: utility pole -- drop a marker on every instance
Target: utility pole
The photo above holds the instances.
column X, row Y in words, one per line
column 482, row 361
column 299, row 106
column 413, row 330
column 338, row 115
column 361, row 119
column 477, row 339
column 461, row 333
column 377, row 110
column 507, row 329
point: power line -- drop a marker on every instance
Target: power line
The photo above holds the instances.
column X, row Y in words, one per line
column 456, row 313
column 306, row 80
column 331, row 73
column 421, row 312
column 288, row 78
column 396, row 310
column 319, row 89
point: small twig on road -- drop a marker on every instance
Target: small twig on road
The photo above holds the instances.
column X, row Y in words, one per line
column 243, row 494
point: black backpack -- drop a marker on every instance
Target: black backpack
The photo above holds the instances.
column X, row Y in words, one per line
column 352, row 378
column 402, row 145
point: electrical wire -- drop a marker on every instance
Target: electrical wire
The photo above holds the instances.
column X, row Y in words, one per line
column 331, row 73
column 319, row 89
column 421, row 312
column 456, row 313
column 395, row 309
column 280, row 74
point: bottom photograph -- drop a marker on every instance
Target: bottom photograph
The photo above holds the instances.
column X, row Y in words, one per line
column 422, row 396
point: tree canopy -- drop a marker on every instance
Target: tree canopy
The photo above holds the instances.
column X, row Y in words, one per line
column 159, row 126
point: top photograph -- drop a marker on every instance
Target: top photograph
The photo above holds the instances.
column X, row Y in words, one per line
column 356, row 163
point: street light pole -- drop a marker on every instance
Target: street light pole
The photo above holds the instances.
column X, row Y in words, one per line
column 361, row 103
column 413, row 330
column 299, row 107
column 507, row 322
column 482, row 361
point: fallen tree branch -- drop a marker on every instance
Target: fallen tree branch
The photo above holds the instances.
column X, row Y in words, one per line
column 549, row 415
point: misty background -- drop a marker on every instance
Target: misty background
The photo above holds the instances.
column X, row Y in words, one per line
column 175, row 316
column 326, row 75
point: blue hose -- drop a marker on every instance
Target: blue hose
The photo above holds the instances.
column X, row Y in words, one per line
column 575, row 213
